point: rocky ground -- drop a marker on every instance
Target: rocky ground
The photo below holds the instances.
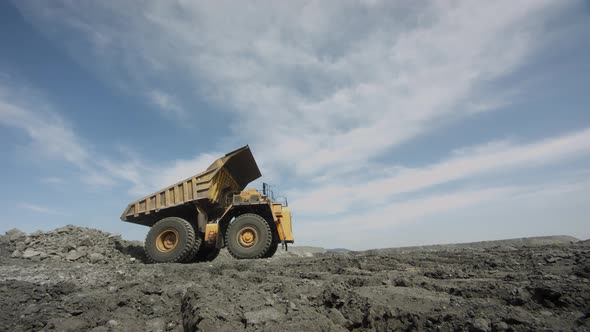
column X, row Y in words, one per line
column 76, row 279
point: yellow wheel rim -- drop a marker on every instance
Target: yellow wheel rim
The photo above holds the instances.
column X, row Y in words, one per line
column 247, row 236
column 167, row 240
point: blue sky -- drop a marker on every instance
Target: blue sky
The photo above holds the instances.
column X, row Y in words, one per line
column 385, row 123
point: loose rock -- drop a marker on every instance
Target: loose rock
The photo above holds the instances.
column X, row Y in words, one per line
column 336, row 316
column 15, row 234
column 96, row 257
column 29, row 253
column 263, row 315
column 74, row 255
column 481, row 325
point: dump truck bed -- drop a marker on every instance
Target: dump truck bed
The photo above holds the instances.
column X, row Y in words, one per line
column 227, row 174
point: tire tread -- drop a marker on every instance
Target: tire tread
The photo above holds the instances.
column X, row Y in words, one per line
column 190, row 243
column 266, row 245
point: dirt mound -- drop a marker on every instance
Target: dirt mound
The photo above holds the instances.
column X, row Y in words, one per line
column 71, row 243
column 534, row 241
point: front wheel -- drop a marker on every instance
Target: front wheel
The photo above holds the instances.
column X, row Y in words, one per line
column 248, row 236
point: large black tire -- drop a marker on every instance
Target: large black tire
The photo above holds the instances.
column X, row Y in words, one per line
column 170, row 240
column 192, row 256
column 206, row 254
column 248, row 237
column 272, row 250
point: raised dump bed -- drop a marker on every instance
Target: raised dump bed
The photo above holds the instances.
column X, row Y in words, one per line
column 194, row 218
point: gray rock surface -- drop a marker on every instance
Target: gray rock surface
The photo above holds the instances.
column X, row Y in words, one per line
column 523, row 288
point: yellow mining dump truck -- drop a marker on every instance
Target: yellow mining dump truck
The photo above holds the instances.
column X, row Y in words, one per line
column 193, row 219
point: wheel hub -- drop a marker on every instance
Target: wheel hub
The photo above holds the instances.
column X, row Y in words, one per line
column 167, row 240
column 247, row 237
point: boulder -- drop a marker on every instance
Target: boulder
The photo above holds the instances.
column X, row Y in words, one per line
column 402, row 282
column 20, row 246
column 74, row 255
column 262, row 315
column 501, row 326
column 86, row 242
column 69, row 247
column 337, row 318
column 15, row 234
column 29, row 253
column 63, row 230
column 480, row 325
column 96, row 257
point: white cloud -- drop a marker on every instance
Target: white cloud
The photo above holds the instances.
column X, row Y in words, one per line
column 146, row 179
column 369, row 229
column 412, row 209
column 556, row 188
column 40, row 209
column 167, row 104
column 182, row 169
column 51, row 136
column 372, row 228
column 49, row 133
column 332, row 85
column 468, row 163
column 53, row 180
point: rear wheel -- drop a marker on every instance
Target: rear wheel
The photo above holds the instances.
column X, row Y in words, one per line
column 248, row 236
column 272, row 250
column 170, row 240
column 192, row 255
